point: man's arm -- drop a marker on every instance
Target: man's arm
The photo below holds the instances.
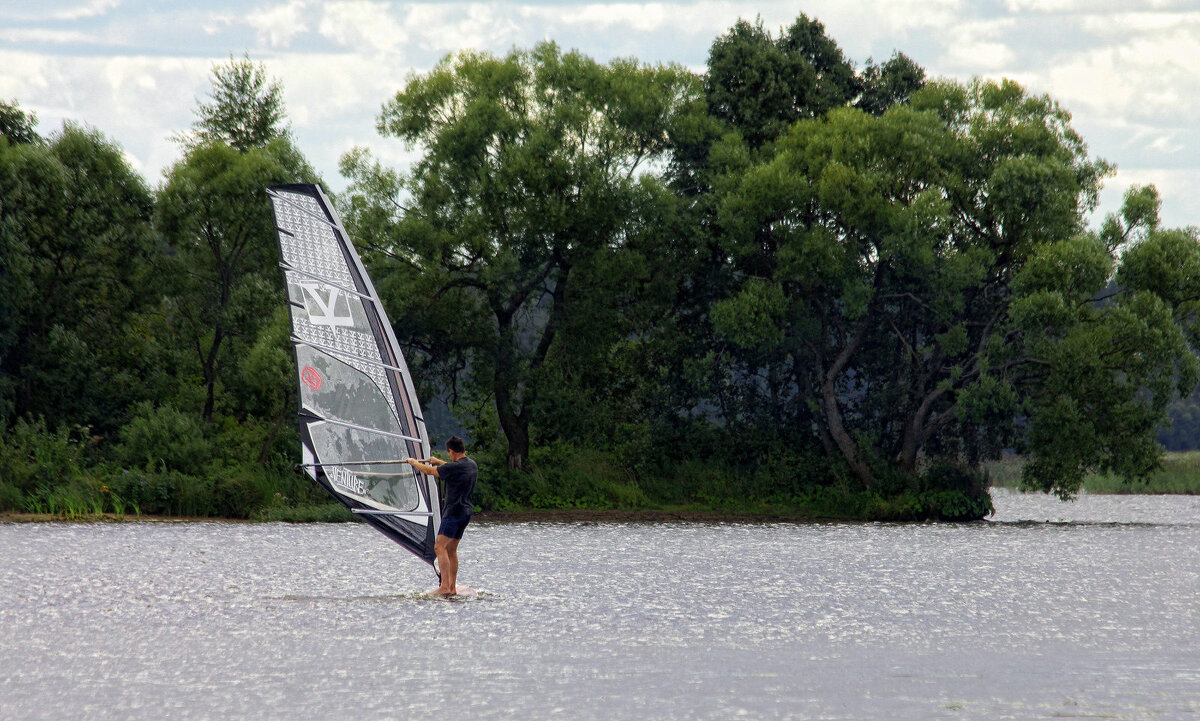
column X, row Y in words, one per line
column 426, row 468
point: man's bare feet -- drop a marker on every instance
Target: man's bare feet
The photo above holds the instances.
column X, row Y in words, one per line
column 444, row 592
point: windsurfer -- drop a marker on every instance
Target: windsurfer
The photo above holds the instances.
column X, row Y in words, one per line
column 459, row 475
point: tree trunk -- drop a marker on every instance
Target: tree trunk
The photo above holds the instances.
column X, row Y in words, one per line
column 833, row 421
column 515, row 424
column 209, row 371
column 518, row 443
column 832, row 412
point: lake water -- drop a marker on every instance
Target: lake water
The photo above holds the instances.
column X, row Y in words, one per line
column 1048, row 610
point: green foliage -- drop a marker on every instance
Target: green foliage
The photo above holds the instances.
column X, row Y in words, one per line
column 76, row 280
column 1179, row 473
column 32, row 456
column 894, row 330
column 528, row 206
column 17, row 126
column 215, row 215
column 164, row 438
column 761, row 85
column 245, row 110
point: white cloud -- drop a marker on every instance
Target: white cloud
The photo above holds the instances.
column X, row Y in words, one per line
column 1151, row 75
column 90, row 9
column 359, row 25
column 1123, row 24
column 1048, row 6
column 1166, row 143
column 439, row 29
column 980, row 48
column 26, row 75
column 50, row 37
column 44, row 10
column 139, row 101
column 645, row 18
column 277, row 25
column 1080, row 7
column 334, row 87
column 218, row 23
column 1125, row 68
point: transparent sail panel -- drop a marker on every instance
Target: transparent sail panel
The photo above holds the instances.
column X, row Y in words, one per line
column 331, row 388
column 377, row 485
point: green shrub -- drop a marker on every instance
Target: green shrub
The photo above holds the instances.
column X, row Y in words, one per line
column 162, row 437
column 32, row 455
column 11, row 498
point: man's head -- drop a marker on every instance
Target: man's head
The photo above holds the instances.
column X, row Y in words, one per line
column 455, row 445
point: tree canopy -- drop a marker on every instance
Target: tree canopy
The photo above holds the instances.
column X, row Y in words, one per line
column 245, row 108
column 75, row 253
column 921, row 285
column 522, row 213
column 17, row 126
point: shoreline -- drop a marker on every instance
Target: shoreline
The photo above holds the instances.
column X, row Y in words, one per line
column 565, row 515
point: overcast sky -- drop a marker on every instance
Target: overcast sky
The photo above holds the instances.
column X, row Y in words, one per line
column 1128, row 70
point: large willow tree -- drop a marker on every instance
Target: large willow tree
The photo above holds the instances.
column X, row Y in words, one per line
column 921, row 285
column 512, row 237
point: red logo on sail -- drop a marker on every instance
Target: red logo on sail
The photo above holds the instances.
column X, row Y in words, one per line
column 311, row 378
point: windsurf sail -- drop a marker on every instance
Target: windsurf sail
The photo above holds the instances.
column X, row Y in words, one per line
column 359, row 415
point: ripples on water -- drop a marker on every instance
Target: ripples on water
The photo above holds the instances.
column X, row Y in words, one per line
column 1048, row 610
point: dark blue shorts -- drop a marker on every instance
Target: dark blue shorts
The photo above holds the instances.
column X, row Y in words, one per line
column 454, row 527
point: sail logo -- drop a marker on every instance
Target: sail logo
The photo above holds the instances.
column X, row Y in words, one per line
column 325, row 305
column 346, row 480
column 311, row 378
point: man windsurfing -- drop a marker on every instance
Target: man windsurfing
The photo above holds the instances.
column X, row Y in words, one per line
column 459, row 475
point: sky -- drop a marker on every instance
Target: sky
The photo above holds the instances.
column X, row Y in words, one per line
column 1127, row 70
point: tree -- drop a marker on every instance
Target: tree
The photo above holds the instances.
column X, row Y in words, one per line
column 760, row 85
column 919, row 285
column 214, row 214
column 17, row 126
column 757, row 87
column 76, row 253
column 530, row 189
column 245, row 110
column 891, row 83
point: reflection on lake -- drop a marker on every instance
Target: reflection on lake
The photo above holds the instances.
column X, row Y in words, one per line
column 1048, row 610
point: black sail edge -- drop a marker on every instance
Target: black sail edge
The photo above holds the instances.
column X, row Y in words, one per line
column 357, row 401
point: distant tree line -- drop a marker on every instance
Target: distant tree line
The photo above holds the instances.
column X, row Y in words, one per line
column 788, row 284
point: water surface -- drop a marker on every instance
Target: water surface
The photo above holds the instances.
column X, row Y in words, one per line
column 1047, row 610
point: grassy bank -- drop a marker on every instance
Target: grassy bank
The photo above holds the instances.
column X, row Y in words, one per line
column 819, row 505
column 577, row 490
column 58, row 475
column 1180, row 474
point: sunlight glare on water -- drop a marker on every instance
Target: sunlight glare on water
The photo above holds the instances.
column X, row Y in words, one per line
column 1047, row 610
